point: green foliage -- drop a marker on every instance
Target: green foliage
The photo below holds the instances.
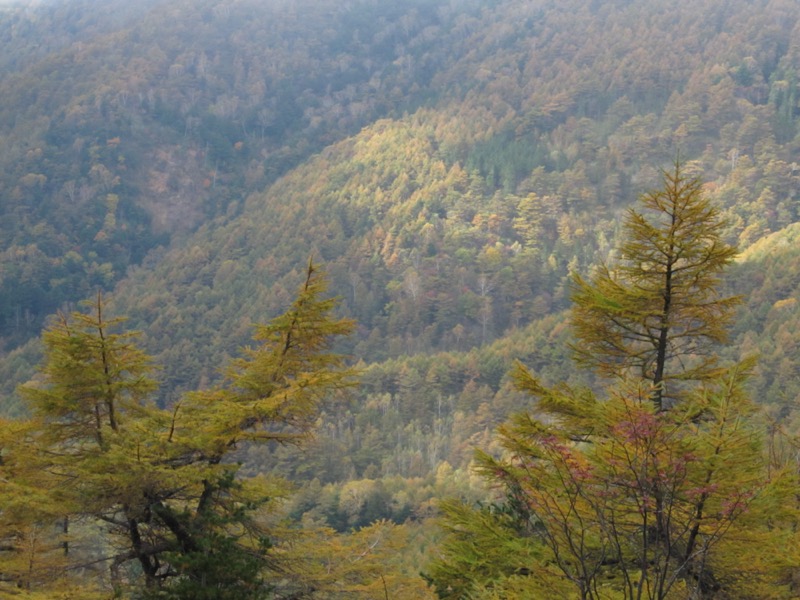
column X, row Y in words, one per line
column 657, row 313
column 491, row 550
column 158, row 486
column 219, row 566
column 627, row 495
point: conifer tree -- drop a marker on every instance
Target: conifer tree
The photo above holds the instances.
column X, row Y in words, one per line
column 34, row 532
column 89, row 410
column 644, row 505
column 271, row 394
column 657, row 312
column 641, row 491
column 161, row 483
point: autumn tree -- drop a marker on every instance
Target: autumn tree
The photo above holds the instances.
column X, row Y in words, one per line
column 272, row 395
column 625, row 494
column 35, row 536
column 490, row 551
column 657, row 312
column 643, row 506
column 88, row 408
column 162, row 483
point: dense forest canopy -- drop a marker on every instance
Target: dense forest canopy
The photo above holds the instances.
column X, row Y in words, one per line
column 453, row 164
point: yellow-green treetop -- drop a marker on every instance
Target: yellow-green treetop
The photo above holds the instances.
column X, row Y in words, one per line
column 157, row 485
column 656, row 313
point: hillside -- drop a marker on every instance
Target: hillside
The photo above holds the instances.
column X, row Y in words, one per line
column 451, row 164
column 131, row 125
column 119, row 133
column 448, row 228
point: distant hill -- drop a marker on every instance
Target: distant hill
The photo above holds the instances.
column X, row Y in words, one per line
column 123, row 126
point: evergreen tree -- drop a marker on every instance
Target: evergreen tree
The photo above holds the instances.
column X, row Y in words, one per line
column 630, row 502
column 626, row 495
column 163, row 482
column 657, row 312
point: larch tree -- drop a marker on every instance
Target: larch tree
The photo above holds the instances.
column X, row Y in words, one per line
column 270, row 395
column 156, row 489
column 635, row 503
column 657, row 313
column 34, row 528
column 661, row 486
column 88, row 409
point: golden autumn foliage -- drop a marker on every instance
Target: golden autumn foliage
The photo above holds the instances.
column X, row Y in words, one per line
column 623, row 494
column 107, row 491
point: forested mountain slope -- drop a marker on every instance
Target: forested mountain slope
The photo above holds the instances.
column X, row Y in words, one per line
column 448, row 227
column 129, row 124
column 451, row 163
